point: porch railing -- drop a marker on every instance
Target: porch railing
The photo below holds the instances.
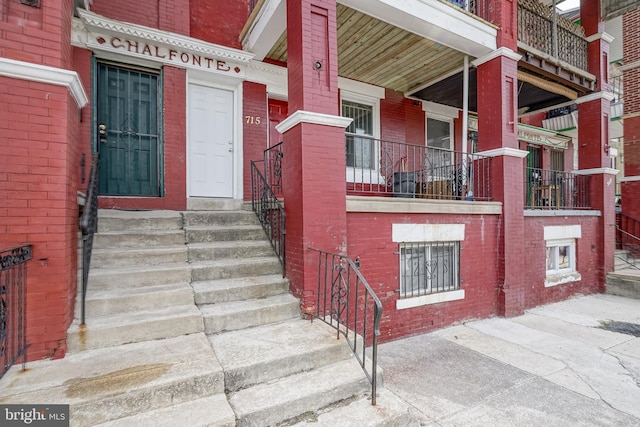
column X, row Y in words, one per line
column 270, row 212
column 627, row 232
column 563, row 40
column 346, row 302
column 273, row 167
column 386, row 168
column 13, row 324
column 88, row 227
column 550, row 189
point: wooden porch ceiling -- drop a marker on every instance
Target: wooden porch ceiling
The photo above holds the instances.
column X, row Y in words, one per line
column 374, row 52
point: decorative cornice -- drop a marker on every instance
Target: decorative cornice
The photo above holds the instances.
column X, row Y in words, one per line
column 502, row 51
column 504, row 151
column 606, row 37
column 45, row 74
column 273, row 76
column 595, row 96
column 314, row 118
column 596, row 171
column 99, row 23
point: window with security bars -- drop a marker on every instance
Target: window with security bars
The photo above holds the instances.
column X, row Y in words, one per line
column 428, row 268
column 360, row 143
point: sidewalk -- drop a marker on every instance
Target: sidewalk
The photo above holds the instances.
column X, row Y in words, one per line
column 553, row 366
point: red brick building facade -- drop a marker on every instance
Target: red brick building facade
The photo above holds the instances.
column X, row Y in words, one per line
column 200, row 89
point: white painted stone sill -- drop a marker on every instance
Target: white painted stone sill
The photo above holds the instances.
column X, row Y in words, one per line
column 562, row 278
column 404, row 303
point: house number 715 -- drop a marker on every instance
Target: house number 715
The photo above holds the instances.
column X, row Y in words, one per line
column 252, row 120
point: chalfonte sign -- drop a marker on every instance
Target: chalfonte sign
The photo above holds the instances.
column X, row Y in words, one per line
column 167, row 55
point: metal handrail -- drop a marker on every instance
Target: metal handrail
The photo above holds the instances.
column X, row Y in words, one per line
column 13, row 325
column 270, row 212
column 88, row 227
column 344, row 302
column 272, row 157
column 626, row 240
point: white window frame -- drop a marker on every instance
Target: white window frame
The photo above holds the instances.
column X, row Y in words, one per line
column 428, row 248
column 555, row 238
column 358, row 174
column 428, row 234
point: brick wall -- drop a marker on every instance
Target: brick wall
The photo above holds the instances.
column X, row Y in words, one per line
column 588, row 264
column 370, row 238
column 38, row 35
column 254, row 134
column 38, row 185
column 167, row 15
column 225, row 31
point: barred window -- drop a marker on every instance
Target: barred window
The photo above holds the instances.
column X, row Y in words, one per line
column 360, row 150
column 428, row 268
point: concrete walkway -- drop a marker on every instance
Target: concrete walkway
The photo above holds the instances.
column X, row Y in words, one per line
column 553, row 366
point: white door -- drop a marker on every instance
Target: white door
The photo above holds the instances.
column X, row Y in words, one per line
column 211, row 142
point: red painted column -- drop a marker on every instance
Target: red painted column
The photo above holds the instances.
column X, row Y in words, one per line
column 631, row 82
column 498, row 137
column 594, row 113
column 314, row 165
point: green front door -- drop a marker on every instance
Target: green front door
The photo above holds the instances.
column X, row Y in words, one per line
column 128, row 131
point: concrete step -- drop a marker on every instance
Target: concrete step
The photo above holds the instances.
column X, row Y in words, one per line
column 229, row 249
column 114, row 301
column 120, row 220
column 124, row 328
column 219, row 218
column 138, row 239
column 235, row 315
column 289, row 397
column 111, row 383
column 265, row 353
column 131, row 277
column 390, row 410
column 123, row 257
column 210, row 411
column 211, row 204
column 224, row 233
column 624, row 283
column 224, row 290
column 234, row 268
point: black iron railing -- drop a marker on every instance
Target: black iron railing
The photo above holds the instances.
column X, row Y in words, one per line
column 273, row 168
column 346, row 302
column 549, row 189
column 627, row 240
column 13, row 323
column 385, row 168
column 88, row 227
column 270, row 212
column 479, row 8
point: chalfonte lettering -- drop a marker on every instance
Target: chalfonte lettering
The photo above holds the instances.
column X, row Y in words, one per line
column 171, row 55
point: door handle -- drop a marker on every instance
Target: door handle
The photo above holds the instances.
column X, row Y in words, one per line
column 102, row 132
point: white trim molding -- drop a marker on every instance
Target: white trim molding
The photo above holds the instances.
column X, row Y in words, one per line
column 436, row 298
column 504, row 151
column 427, row 233
column 596, row 171
column 45, row 74
column 606, row 37
column 355, row 86
column 630, row 178
column 595, row 96
column 630, row 66
column 440, row 109
column 301, row 116
column 502, row 51
column 557, row 232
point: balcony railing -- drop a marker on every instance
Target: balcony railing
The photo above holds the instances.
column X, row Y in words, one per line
column 384, row 168
column 479, row 8
column 549, row 189
column 536, row 29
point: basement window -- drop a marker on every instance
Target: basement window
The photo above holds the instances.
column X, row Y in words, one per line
column 561, row 254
